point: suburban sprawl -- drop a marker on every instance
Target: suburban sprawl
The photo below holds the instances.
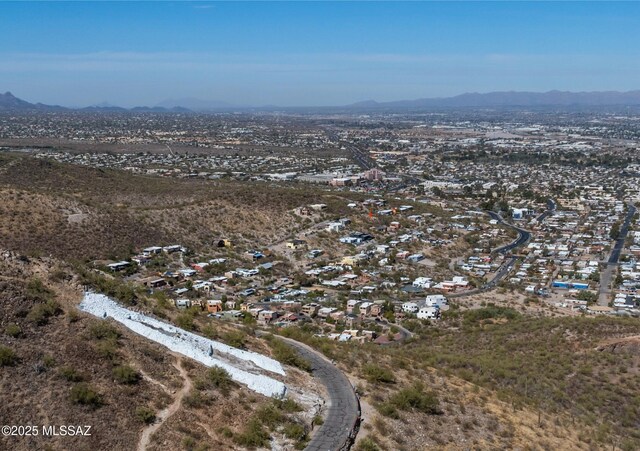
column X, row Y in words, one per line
column 353, row 272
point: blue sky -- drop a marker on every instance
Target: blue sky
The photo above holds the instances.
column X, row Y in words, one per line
column 309, row 53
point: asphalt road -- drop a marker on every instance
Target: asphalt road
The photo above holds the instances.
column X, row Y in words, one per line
column 604, row 293
column 617, row 248
column 551, row 207
column 344, row 408
column 523, row 235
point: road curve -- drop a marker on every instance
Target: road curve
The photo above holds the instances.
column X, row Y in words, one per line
column 343, row 416
column 523, row 237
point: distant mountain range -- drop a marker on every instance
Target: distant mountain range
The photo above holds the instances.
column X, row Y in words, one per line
column 194, row 104
column 513, row 99
column 8, row 102
column 11, row 103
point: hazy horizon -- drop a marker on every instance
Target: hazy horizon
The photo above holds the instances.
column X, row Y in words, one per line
column 311, row 54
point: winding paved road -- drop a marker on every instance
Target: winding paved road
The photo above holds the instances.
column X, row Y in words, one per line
column 344, row 410
column 523, row 237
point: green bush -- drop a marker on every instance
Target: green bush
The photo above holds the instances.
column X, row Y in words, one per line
column 85, row 395
column 269, row 415
column 40, row 313
column 185, row 321
column 70, row 374
column 367, row 444
column 37, row 291
column 234, row 338
column 287, row 405
column 288, row 355
column 219, row 378
column 490, row 312
column 13, row 330
column 253, row 435
column 101, row 330
column 7, row 356
column 195, row 399
column 375, row 373
column 226, row 432
column 416, row 398
column 145, row 414
column 294, row 431
column 388, row 410
column 108, row 349
column 124, row 374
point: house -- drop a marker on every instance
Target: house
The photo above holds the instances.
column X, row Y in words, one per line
column 141, row 259
column 435, row 300
column 335, row 226
column 214, row 306
column 156, row 283
column 224, row 243
column 153, row 250
column 200, row 266
column 173, row 248
column 365, row 308
column 428, row 313
column 422, row 282
column 338, row 315
column 324, row 312
column 377, row 309
column 183, row 303
column 296, row 244
column 311, row 309
column 410, row 307
column 266, row 316
column 352, row 305
column 118, row 266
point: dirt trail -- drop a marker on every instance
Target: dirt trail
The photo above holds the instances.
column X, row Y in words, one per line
column 165, row 414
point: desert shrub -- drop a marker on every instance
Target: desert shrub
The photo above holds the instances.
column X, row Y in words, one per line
column 288, row 355
column 145, row 414
column 219, row 378
column 388, row 410
column 490, row 312
column 287, row 405
column 185, row 321
column 375, row 373
column 101, row 330
column 13, row 330
column 107, row 349
column 226, row 432
column 70, row 374
column 234, row 338
column 294, row 431
column 124, row 374
column 367, row 444
column 37, row 291
column 253, row 435
column 85, row 395
column 318, row 420
column 415, row 398
column 48, row 361
column 40, row 313
column 7, row 356
column 269, row 415
column 209, row 331
column 195, row 399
